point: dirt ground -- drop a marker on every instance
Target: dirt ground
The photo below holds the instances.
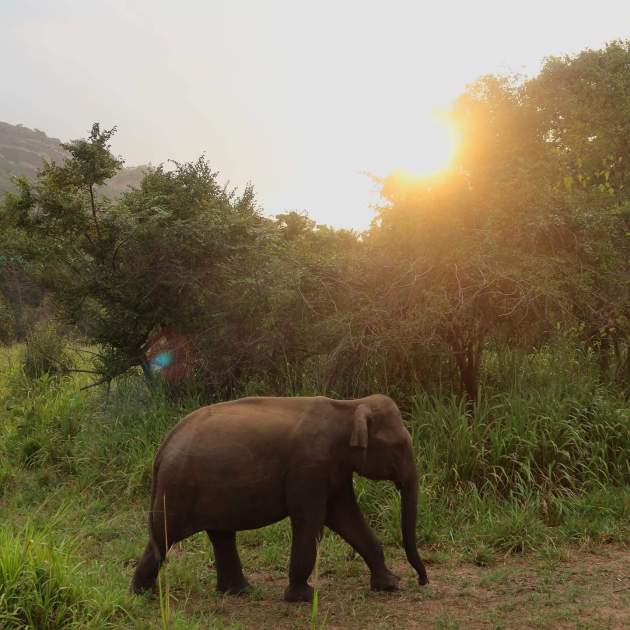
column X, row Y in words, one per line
column 585, row 590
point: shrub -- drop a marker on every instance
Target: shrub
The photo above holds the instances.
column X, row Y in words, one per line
column 39, row 588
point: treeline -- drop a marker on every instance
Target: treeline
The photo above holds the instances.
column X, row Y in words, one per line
column 525, row 238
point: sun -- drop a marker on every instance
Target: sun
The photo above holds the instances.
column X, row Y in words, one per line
column 424, row 148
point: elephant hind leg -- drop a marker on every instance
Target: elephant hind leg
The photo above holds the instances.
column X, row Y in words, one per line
column 230, row 578
column 306, row 501
column 147, row 570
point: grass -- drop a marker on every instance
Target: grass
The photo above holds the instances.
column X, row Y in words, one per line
column 40, row 587
column 542, row 464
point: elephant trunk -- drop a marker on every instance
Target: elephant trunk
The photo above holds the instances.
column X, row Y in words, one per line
column 409, row 508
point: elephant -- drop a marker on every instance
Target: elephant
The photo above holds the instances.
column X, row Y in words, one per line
column 248, row 463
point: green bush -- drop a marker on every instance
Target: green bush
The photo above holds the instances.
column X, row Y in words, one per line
column 39, row 587
column 554, row 429
column 42, row 420
column 511, row 473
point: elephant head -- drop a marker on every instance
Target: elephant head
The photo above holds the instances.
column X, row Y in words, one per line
column 383, row 451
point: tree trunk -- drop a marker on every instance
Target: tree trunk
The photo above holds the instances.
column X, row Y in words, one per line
column 146, row 369
column 93, row 203
column 468, row 359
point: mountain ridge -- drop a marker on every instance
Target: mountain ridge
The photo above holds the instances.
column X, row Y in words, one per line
column 23, row 151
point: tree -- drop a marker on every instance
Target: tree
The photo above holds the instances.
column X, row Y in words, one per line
column 465, row 258
column 526, row 234
column 288, row 307
column 584, row 101
column 158, row 257
column 91, row 164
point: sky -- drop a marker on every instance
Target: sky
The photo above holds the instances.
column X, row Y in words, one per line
column 301, row 99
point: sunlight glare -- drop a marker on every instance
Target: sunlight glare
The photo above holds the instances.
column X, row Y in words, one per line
column 426, row 150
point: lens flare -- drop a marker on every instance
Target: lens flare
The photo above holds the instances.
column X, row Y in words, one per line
column 170, row 355
column 162, row 360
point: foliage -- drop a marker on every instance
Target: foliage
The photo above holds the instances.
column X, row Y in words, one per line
column 504, row 278
column 39, row 587
column 22, row 297
column 585, row 104
column 525, row 236
column 471, row 258
column 546, row 435
column 157, row 257
column 22, row 151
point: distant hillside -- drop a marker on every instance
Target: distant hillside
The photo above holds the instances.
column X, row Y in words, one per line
column 22, row 151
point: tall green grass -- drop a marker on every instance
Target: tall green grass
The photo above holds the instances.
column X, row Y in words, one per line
column 515, row 472
column 41, row 588
column 541, row 461
column 515, row 442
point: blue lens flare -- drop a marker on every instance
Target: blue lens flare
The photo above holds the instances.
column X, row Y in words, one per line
column 162, row 360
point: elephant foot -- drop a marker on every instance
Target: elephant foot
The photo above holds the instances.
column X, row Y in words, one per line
column 298, row 593
column 140, row 588
column 385, row 582
column 233, row 588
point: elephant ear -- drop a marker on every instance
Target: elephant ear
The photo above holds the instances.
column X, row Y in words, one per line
column 359, row 436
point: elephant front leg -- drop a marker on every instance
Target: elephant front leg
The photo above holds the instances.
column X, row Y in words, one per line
column 230, row 578
column 303, row 554
column 344, row 517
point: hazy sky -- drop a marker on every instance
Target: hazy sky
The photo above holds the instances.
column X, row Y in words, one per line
column 300, row 98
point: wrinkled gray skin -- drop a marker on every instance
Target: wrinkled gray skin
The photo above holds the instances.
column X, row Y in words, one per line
column 248, row 463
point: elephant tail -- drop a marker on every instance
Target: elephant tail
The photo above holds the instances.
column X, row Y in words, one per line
column 157, row 538
column 154, row 554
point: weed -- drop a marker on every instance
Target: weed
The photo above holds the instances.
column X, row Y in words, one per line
column 315, row 623
column 45, row 351
column 446, row 623
column 483, row 555
column 40, row 588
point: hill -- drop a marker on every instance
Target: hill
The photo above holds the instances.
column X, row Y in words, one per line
column 23, row 150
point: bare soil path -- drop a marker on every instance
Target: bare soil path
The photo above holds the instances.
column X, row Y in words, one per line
column 586, row 590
